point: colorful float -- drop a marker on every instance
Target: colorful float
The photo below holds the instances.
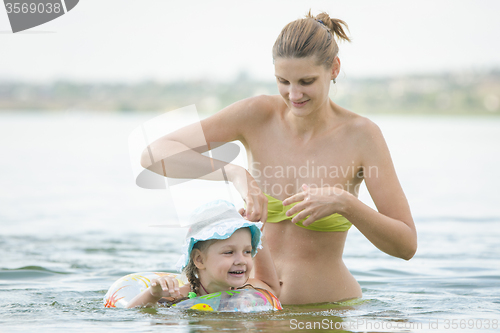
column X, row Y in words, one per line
column 240, row 300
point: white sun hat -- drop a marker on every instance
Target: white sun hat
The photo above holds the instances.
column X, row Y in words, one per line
column 216, row 220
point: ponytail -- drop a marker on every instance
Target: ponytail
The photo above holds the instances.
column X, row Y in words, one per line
column 334, row 25
column 311, row 37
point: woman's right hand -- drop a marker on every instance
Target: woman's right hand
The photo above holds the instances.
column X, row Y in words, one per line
column 165, row 286
column 251, row 193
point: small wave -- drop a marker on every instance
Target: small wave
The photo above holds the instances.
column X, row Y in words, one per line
column 101, row 249
column 27, row 272
column 390, row 272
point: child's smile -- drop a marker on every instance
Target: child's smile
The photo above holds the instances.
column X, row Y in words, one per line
column 227, row 263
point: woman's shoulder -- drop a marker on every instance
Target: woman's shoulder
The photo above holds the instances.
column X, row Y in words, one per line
column 240, row 119
column 252, row 110
column 261, row 105
column 366, row 135
column 359, row 125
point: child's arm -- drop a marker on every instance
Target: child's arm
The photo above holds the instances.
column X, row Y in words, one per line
column 165, row 286
column 264, row 270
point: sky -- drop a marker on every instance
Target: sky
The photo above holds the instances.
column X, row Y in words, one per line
column 127, row 41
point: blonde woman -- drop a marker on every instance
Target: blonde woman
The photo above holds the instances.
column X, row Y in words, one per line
column 307, row 157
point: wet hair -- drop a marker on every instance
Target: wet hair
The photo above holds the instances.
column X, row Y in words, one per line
column 311, row 36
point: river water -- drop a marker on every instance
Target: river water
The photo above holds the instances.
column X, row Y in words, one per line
column 72, row 221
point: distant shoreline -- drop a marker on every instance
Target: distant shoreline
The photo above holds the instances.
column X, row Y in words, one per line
column 443, row 94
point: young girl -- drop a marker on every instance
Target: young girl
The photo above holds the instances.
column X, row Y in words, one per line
column 217, row 256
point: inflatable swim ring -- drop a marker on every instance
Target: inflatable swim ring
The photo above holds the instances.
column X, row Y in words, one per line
column 241, row 300
column 127, row 287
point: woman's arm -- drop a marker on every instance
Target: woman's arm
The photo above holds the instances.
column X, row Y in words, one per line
column 391, row 229
column 179, row 154
column 264, row 270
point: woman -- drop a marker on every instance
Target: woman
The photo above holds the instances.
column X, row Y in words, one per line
column 303, row 149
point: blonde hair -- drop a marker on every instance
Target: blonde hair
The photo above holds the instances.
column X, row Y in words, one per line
column 311, row 36
column 191, row 271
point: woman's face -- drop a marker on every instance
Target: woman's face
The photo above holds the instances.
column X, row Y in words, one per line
column 227, row 263
column 303, row 84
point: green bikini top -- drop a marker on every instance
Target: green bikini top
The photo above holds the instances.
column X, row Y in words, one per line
column 276, row 212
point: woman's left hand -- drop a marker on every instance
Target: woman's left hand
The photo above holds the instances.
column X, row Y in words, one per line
column 316, row 203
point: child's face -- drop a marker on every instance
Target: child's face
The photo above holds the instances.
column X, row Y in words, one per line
column 227, row 263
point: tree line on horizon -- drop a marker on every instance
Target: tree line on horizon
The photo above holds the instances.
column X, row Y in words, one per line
column 448, row 93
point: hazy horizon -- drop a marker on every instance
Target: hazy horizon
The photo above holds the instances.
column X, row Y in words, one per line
column 125, row 41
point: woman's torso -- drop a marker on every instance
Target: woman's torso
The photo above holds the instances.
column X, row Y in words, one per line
column 309, row 263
